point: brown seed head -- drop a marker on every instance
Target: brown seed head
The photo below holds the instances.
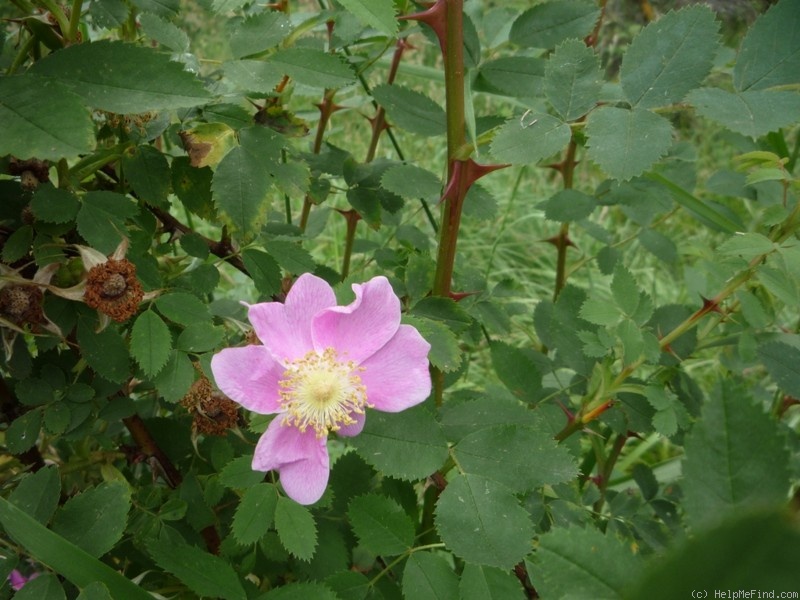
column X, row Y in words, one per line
column 112, row 288
column 22, row 304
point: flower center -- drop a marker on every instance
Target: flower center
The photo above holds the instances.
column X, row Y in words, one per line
column 322, row 392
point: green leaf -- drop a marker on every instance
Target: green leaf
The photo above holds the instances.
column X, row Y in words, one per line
column 463, row 418
column 504, row 453
column 301, row 591
column 183, row 308
column 151, row 342
column 296, row 528
column 517, row 371
column 735, row 458
column 57, row 418
column 314, row 68
column 38, row 494
column 625, row 290
column 101, row 219
column 625, row 143
column 429, row 576
column 746, row 245
column 348, row 585
column 148, row 173
column 481, row 521
column 752, row 113
column 530, row 139
column 238, row 474
column 420, row 270
column 659, row 245
column 200, row 337
column 292, row 257
column 763, row 62
column 264, row 270
column 446, row 310
column 568, row 205
column 63, row 556
column 109, row 13
column 95, row 519
column 412, row 182
column 23, row 432
column 241, row 191
column 515, row 76
column 670, row 57
column 193, row 186
column 42, row 119
column 175, row 379
column 44, row 587
column 122, row 78
column 255, row 76
column 203, row 573
column 379, row 14
column 489, row 583
column 704, row 212
column 258, row 32
column 255, row 513
column 445, row 353
column 572, row 79
column 381, row 525
column 165, row 33
column 95, row 591
column 54, row 205
column 164, row 8
column 388, row 440
column 17, row 245
column 410, row 110
column 582, row 563
column 600, row 312
column 547, row 25
column 757, row 551
column 783, row 364
column 105, row 352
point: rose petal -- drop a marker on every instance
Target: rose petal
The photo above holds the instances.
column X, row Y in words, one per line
column 355, row 428
column 300, row 458
column 285, row 329
column 360, row 329
column 250, row 376
column 397, row 375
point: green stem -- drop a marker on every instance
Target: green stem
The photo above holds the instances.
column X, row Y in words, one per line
column 352, row 218
column 58, row 15
column 607, row 469
column 22, row 55
column 74, row 20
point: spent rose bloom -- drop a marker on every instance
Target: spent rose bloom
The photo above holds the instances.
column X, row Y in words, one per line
column 319, row 367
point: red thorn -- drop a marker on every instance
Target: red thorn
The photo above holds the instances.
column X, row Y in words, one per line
column 351, row 215
column 463, row 174
column 559, row 240
column 435, row 18
column 457, row 296
column 710, row 306
column 570, row 415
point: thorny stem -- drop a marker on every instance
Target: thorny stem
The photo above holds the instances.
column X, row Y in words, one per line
column 221, row 249
column 606, row 468
column 562, row 242
column 352, row 217
column 456, row 137
column 147, row 444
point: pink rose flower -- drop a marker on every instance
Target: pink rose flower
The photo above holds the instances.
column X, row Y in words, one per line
column 18, row 580
column 319, row 368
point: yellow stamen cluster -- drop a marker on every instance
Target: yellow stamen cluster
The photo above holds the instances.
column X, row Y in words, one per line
column 322, row 392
